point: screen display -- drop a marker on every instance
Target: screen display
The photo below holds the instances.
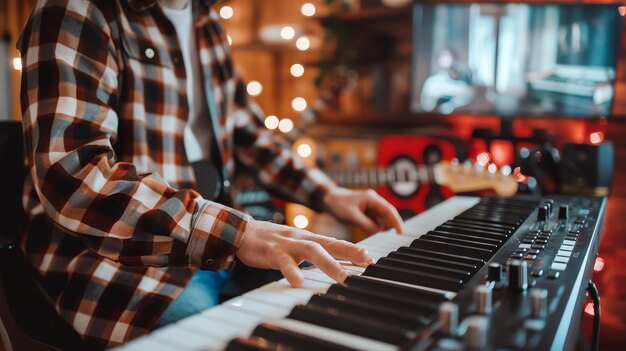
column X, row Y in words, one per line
column 514, row 59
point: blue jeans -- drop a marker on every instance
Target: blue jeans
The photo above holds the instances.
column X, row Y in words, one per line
column 202, row 292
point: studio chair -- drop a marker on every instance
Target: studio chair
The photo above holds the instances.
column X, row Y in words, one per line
column 28, row 320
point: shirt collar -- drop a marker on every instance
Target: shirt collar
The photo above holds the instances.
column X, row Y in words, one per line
column 140, row 5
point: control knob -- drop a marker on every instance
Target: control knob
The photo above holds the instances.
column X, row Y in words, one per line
column 563, row 209
column 476, row 334
column 483, row 299
column 518, row 275
column 449, row 318
column 539, row 303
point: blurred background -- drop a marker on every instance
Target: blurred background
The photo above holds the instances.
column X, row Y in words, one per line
column 378, row 93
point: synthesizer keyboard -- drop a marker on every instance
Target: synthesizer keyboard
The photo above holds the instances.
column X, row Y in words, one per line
column 469, row 274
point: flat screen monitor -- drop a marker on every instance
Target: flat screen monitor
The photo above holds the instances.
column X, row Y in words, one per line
column 514, row 59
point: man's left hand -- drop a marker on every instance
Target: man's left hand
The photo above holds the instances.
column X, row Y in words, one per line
column 363, row 208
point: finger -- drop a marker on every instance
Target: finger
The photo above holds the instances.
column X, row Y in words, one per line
column 314, row 252
column 361, row 220
column 343, row 250
column 290, row 270
column 382, row 210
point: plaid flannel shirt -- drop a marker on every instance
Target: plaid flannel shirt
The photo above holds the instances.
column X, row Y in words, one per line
column 115, row 229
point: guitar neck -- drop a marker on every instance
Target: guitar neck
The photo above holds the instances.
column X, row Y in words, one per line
column 382, row 176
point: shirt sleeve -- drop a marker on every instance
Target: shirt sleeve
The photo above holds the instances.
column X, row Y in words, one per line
column 69, row 89
column 270, row 157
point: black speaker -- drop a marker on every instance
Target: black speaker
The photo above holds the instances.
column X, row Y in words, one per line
column 587, row 169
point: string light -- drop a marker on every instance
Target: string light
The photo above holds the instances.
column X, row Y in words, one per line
column 304, row 150
column 297, row 70
column 308, row 9
column 298, row 104
column 230, row 40
column 254, row 88
column 287, row 33
column 271, row 122
column 17, row 64
column 300, row 221
column 227, row 12
column 303, row 43
column 285, row 125
column 596, row 138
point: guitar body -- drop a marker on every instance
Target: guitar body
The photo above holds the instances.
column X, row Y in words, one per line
column 404, row 152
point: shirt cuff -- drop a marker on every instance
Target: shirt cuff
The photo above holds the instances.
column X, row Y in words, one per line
column 317, row 185
column 217, row 232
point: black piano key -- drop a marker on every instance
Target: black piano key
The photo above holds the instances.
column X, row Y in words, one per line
column 286, row 338
column 482, row 239
column 369, row 310
column 477, row 217
column 426, row 268
column 421, row 309
column 251, row 344
column 422, row 258
column 332, row 319
column 504, row 211
column 443, row 255
column 455, row 249
column 494, row 233
column 384, row 271
column 394, row 290
column 490, row 219
column 472, row 224
column 452, row 240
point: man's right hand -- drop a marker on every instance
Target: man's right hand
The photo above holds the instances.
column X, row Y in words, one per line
column 274, row 246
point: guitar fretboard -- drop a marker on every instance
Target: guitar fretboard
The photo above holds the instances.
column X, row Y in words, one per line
column 381, row 176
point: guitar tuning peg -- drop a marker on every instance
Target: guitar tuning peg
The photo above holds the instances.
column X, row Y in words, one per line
column 468, row 164
column 454, row 162
column 506, row 170
column 492, row 168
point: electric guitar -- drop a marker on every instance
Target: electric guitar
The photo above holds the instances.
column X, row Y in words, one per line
column 413, row 188
column 404, row 177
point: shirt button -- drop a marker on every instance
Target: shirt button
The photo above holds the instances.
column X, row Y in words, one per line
column 149, row 53
column 208, row 262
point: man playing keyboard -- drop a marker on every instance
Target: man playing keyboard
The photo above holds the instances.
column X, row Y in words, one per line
column 127, row 104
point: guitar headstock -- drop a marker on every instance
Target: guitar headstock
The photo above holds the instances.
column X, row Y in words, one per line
column 467, row 176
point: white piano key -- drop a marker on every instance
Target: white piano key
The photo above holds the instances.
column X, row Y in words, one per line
column 236, row 318
column 284, row 301
column 182, row 339
column 318, row 276
column 354, row 270
column 389, row 241
column 243, row 303
column 277, row 289
column 338, row 337
column 216, row 329
column 312, row 285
